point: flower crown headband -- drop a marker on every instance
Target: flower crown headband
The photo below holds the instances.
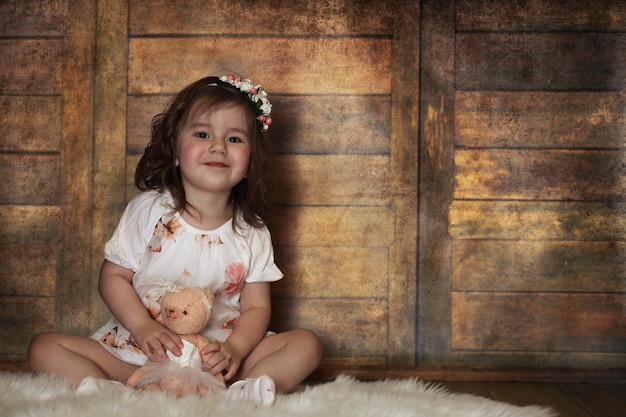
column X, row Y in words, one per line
column 255, row 94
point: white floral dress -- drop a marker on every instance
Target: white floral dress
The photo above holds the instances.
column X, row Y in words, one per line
column 155, row 241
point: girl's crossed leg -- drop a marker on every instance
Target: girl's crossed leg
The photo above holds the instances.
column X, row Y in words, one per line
column 75, row 358
column 288, row 358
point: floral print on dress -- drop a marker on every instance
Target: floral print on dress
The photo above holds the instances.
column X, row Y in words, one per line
column 110, row 338
column 235, row 275
column 206, row 241
column 184, row 277
column 229, row 324
column 131, row 344
column 162, row 231
column 117, row 341
column 153, row 307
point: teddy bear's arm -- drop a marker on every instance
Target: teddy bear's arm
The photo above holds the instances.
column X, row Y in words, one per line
column 200, row 342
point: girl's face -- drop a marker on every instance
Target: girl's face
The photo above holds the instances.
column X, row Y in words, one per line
column 213, row 150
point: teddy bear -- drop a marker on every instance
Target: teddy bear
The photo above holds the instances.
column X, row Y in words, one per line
column 185, row 310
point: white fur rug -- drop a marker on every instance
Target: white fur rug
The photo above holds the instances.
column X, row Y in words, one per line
column 22, row 394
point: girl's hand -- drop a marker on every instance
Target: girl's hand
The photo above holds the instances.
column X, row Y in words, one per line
column 155, row 340
column 219, row 357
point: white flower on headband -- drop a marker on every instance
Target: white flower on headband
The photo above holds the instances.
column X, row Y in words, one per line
column 256, row 95
column 245, row 86
column 266, row 107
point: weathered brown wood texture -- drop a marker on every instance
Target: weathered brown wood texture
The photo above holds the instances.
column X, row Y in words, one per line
column 46, row 79
column 343, row 80
column 523, row 184
column 508, row 117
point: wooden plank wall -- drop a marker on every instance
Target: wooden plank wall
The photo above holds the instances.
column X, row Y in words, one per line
column 532, row 250
column 45, row 149
column 341, row 140
column 506, row 117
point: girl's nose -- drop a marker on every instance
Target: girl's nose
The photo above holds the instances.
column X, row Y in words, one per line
column 217, row 145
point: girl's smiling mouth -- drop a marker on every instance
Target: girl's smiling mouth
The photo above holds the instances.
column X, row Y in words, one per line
column 216, row 164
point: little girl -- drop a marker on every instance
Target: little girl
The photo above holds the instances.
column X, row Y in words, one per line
column 195, row 222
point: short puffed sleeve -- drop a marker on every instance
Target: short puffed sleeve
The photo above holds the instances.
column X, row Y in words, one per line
column 130, row 240
column 262, row 266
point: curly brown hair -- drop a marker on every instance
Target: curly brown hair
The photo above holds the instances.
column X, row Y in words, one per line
column 157, row 168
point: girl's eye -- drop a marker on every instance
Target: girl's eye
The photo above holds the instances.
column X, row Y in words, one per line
column 234, row 139
column 202, row 135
